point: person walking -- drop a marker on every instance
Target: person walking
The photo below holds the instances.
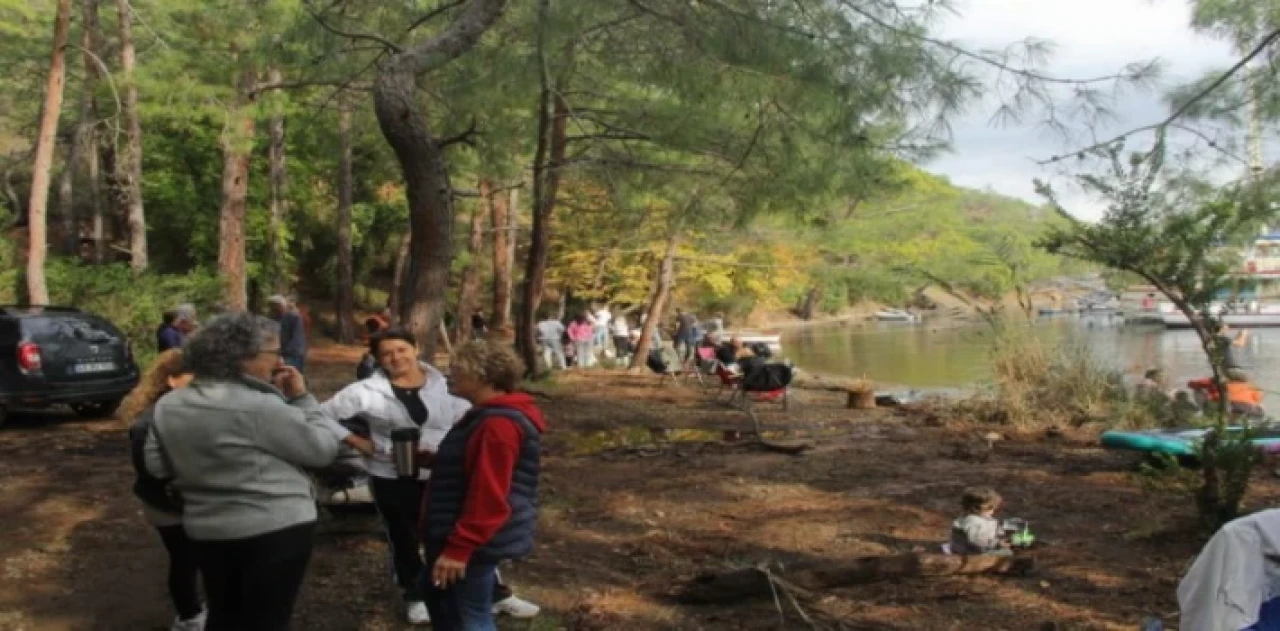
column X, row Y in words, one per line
column 581, row 334
column 293, row 332
column 161, row 502
column 235, row 442
column 404, row 392
column 481, row 507
column 550, row 335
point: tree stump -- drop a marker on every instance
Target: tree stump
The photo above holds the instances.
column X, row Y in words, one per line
column 754, row 582
column 861, row 400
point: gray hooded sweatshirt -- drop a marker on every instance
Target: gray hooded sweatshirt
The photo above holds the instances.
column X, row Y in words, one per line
column 236, row 449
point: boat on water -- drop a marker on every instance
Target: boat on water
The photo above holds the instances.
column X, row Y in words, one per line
column 1238, row 320
column 771, row 339
column 896, row 315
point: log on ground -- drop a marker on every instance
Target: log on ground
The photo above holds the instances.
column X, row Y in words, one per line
column 754, row 582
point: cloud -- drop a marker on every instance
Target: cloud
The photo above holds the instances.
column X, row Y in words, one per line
column 1091, row 38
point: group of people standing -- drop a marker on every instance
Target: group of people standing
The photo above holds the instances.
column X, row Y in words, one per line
column 224, row 436
column 590, row 333
column 180, row 322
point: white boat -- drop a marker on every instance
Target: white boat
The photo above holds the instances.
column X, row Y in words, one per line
column 772, row 340
column 1241, row 320
column 896, row 315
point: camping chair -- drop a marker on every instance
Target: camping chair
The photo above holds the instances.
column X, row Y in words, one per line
column 729, row 379
column 702, row 363
column 665, row 366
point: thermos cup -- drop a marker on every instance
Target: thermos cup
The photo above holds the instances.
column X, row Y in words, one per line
column 404, row 451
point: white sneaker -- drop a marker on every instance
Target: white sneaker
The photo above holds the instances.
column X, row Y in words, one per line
column 417, row 614
column 191, row 624
column 516, row 608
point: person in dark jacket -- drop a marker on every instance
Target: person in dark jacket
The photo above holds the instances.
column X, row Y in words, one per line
column 293, row 332
column 161, row 503
column 168, row 336
column 481, row 504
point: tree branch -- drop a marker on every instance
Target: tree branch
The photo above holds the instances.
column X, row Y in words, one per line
column 466, row 137
column 1182, row 109
column 433, row 14
column 364, row 36
column 460, row 37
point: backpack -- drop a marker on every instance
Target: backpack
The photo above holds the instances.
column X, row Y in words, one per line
column 762, row 377
column 656, row 361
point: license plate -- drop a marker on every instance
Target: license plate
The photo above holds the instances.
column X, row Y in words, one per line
column 92, row 367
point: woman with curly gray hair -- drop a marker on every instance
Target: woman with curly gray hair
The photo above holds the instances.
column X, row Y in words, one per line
column 234, row 443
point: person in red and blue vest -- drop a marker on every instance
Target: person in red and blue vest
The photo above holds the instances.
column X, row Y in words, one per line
column 481, row 504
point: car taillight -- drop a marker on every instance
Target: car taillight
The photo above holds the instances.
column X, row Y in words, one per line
column 29, row 357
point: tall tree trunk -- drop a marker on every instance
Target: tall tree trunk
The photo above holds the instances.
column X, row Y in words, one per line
column 279, row 203
column 810, row 303
column 469, row 294
column 500, row 212
column 91, row 43
column 346, row 309
column 666, row 279
column 37, row 289
column 397, row 278
column 237, row 141
column 427, row 186
column 547, row 161
column 130, row 164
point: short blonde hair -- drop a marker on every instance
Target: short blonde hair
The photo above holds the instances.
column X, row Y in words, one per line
column 493, row 363
column 980, row 499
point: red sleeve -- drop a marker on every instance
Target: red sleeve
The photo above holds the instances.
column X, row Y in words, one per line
column 490, row 461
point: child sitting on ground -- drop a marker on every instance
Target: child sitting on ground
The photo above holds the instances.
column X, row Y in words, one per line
column 978, row 531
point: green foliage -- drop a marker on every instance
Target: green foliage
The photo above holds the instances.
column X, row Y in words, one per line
column 134, row 304
column 1182, row 237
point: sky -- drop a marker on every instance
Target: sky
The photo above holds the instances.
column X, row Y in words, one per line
column 1091, row 38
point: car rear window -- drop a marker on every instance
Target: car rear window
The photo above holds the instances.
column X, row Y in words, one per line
column 61, row 327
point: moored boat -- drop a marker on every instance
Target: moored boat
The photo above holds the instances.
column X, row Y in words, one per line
column 896, row 315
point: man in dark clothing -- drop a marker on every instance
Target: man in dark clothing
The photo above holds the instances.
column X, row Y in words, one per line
column 168, row 336
column 686, row 334
column 293, row 335
column 1229, row 343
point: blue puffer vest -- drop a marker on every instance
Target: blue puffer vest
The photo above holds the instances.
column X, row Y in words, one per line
column 448, row 487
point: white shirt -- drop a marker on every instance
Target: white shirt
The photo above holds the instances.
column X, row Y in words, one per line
column 372, row 400
column 1231, row 579
column 602, row 318
column 620, row 328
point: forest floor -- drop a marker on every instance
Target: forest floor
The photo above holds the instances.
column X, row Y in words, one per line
column 640, row 493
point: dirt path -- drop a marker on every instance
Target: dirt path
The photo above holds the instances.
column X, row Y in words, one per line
column 639, row 494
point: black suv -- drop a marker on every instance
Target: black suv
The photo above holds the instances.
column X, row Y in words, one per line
column 51, row 355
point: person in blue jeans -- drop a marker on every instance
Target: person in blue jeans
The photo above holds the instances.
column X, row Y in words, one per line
column 481, row 503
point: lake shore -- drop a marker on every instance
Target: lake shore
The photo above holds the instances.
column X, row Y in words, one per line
column 645, row 485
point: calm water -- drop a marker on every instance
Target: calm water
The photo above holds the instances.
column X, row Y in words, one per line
column 922, row 356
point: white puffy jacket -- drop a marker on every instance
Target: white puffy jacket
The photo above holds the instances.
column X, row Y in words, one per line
column 373, row 401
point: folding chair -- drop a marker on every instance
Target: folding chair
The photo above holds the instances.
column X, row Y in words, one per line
column 701, row 364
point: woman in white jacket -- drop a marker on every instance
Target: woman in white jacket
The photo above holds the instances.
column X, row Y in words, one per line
column 404, row 392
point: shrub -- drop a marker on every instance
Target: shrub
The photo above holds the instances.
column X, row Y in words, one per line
column 133, row 303
column 1037, row 383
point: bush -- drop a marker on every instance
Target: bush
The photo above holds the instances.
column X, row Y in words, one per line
column 135, row 304
column 1037, row 383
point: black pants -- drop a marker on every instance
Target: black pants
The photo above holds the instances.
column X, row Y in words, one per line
column 252, row 583
column 184, row 571
column 399, row 501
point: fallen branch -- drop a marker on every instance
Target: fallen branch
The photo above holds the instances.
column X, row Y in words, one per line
column 755, row 582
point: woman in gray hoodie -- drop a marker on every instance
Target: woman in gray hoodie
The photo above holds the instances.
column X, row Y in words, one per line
column 235, row 443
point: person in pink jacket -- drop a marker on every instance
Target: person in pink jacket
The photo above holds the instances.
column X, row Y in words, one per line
column 582, row 334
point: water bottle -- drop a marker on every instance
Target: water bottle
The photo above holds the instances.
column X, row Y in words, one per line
column 404, row 451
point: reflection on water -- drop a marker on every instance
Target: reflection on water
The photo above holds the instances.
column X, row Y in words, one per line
column 927, row 357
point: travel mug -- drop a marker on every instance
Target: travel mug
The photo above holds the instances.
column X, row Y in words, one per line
column 404, row 451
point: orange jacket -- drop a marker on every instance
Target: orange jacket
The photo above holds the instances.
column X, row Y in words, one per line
column 1237, row 391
